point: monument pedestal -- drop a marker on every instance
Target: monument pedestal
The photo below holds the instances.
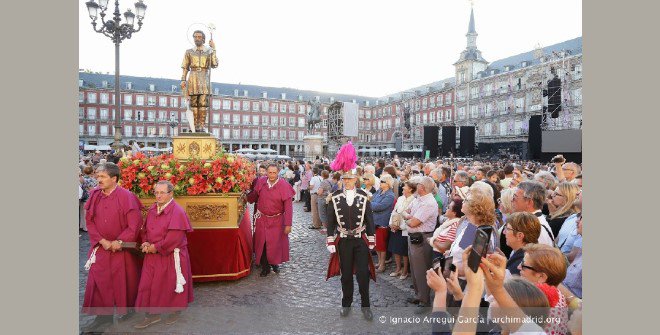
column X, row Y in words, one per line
column 313, row 146
column 194, row 146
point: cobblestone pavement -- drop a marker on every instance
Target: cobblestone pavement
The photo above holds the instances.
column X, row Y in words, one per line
column 297, row 301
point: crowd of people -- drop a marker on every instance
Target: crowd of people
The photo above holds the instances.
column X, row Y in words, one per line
column 429, row 212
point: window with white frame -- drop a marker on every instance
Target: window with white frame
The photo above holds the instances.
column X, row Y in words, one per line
column 91, row 113
column 162, row 115
column 301, row 122
column 236, row 119
column 488, row 129
column 273, row 134
column 489, row 109
column 151, row 100
column 432, row 117
column 81, row 97
column 274, row 108
column 151, row 131
column 503, row 128
column 488, row 89
column 301, row 134
column 264, row 134
column 265, row 106
column 105, row 97
column 292, row 108
column 520, row 105
column 501, row 107
column 255, row 134
column 246, row 106
column 577, row 96
column 474, row 92
column 301, row 109
column 216, row 118
column 246, row 134
column 128, row 130
column 292, row 121
column 151, row 115
column 226, row 118
column 139, row 100
column 424, row 118
column 162, row 101
column 103, row 114
column 283, row 121
column 448, row 115
column 246, row 120
column 424, row 103
column 264, row 120
column 284, row 108
column 577, row 71
column 255, row 106
column 236, row 134
column 255, row 120
column 448, row 99
column 308, row 108
column 236, row 105
column 91, row 129
column 361, row 113
column 226, row 104
column 128, row 114
column 225, row 134
column 128, row 99
column 431, row 102
column 103, row 130
column 461, row 113
column 274, row 121
column 518, row 127
column 91, row 97
column 368, row 114
column 577, row 120
column 174, row 102
column 474, row 111
column 292, row 135
column 215, row 104
column 216, row 133
column 139, row 131
column 81, row 113
column 162, row 130
column 283, row 134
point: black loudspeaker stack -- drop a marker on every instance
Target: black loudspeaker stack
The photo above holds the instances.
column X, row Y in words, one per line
column 448, row 140
column 466, row 146
column 431, row 141
column 534, row 137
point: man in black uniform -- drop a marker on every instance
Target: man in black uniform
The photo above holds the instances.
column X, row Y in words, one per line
column 351, row 235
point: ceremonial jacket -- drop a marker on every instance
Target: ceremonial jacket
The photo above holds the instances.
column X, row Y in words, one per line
column 353, row 221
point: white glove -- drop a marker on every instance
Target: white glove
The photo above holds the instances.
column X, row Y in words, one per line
column 331, row 248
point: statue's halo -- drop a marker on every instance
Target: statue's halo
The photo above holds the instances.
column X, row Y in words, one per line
column 198, row 26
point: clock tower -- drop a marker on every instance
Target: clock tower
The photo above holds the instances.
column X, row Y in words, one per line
column 471, row 62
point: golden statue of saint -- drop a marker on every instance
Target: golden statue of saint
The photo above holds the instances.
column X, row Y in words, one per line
column 197, row 64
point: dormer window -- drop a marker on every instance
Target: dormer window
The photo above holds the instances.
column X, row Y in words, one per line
column 129, row 85
column 152, row 87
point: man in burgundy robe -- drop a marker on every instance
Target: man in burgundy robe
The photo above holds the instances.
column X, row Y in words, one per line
column 166, row 279
column 113, row 217
column 273, row 218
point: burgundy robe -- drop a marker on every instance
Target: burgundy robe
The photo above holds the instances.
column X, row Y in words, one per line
column 113, row 278
column 272, row 201
column 166, row 231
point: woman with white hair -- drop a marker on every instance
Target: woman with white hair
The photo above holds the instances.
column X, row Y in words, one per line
column 382, row 204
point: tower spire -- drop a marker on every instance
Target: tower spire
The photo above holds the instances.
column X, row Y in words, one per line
column 471, row 29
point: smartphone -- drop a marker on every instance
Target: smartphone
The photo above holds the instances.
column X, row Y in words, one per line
column 448, row 267
column 479, row 247
column 438, row 264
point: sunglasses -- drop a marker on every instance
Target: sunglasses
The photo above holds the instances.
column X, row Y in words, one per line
column 523, row 266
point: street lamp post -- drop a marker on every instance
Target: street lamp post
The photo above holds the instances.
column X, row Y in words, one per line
column 173, row 125
column 117, row 32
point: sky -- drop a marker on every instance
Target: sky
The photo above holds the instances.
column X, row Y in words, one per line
column 360, row 47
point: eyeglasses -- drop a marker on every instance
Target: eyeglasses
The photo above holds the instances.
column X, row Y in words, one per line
column 508, row 228
column 557, row 195
column 160, row 193
column 523, row 266
column 515, row 197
